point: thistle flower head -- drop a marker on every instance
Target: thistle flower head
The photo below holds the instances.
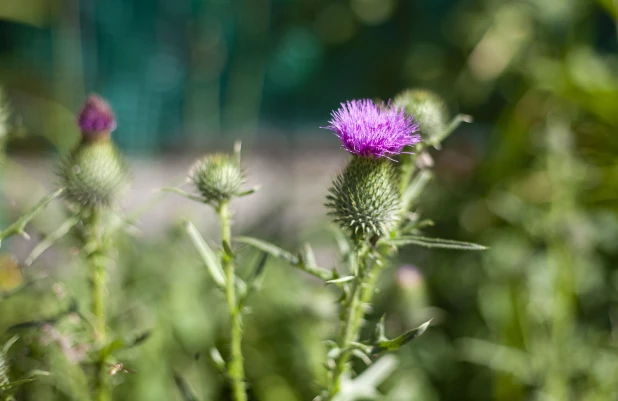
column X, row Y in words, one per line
column 364, row 199
column 428, row 109
column 94, row 173
column 217, row 177
column 96, row 118
column 370, row 130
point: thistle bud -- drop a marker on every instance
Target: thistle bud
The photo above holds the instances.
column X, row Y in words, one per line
column 428, row 109
column 364, row 199
column 217, row 177
column 94, row 173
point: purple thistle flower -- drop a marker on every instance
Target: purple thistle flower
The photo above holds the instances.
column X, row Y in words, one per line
column 96, row 116
column 371, row 130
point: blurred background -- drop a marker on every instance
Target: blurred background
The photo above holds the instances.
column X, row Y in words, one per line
column 535, row 178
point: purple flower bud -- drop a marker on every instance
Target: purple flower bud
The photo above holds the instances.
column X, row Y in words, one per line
column 409, row 277
column 371, row 130
column 96, row 118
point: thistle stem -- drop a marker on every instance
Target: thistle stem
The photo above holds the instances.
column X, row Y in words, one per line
column 98, row 280
column 235, row 368
column 353, row 318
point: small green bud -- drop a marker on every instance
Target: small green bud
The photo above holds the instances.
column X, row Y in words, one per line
column 94, row 174
column 217, row 177
column 364, row 199
column 427, row 108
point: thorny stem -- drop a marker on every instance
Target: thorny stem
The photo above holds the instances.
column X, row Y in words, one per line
column 98, row 278
column 235, row 368
column 353, row 317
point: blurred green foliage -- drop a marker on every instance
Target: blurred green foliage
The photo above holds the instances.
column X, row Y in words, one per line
column 535, row 179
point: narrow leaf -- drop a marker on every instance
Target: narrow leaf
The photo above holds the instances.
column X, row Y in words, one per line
column 294, row 260
column 184, row 194
column 216, row 357
column 455, row 122
column 186, row 391
column 428, row 242
column 20, row 224
column 7, row 345
column 50, row 239
column 344, row 279
column 416, row 187
column 269, row 248
column 248, row 192
column 400, row 341
column 499, row 358
column 208, row 256
column 136, row 340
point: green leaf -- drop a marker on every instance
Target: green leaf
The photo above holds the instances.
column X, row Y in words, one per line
column 455, row 122
column 248, row 191
column 400, row 341
column 50, row 239
column 341, row 280
column 20, row 224
column 134, row 341
column 12, row 385
column 259, row 269
column 186, row 391
column 416, row 187
column 216, row 357
column 304, row 263
column 269, row 248
column 499, row 358
column 428, row 242
column 364, row 386
column 184, row 194
column 7, row 345
column 208, row 256
column 342, row 241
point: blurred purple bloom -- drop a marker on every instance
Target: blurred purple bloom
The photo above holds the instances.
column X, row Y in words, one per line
column 409, row 276
column 371, row 130
column 96, row 116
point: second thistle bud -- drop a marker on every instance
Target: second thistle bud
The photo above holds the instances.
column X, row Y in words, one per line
column 94, row 173
column 217, row 177
column 428, row 109
column 364, row 199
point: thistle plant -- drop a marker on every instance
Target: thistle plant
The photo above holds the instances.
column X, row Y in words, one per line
column 93, row 176
column 218, row 179
column 370, row 200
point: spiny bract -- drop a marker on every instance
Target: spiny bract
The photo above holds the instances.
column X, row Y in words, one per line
column 428, row 109
column 364, row 199
column 217, row 177
column 94, row 174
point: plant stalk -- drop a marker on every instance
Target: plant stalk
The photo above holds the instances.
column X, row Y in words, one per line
column 235, row 368
column 98, row 280
column 353, row 318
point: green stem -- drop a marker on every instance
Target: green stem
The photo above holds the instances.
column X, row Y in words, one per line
column 235, row 368
column 353, row 318
column 98, row 280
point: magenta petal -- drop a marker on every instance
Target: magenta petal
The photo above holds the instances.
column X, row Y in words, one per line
column 371, row 130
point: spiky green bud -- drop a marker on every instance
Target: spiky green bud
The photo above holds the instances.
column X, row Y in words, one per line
column 427, row 108
column 217, row 177
column 364, row 199
column 94, row 174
